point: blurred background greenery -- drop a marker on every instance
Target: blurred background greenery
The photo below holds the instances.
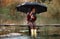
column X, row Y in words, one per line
column 9, row 15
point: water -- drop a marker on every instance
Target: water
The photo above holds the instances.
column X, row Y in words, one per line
column 29, row 37
column 16, row 37
column 26, row 36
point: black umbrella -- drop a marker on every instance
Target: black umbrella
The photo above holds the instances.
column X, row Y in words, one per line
column 27, row 5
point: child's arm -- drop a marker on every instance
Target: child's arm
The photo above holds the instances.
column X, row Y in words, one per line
column 31, row 14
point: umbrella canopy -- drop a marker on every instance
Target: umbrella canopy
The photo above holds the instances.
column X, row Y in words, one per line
column 24, row 7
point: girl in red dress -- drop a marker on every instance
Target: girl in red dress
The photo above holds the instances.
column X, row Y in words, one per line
column 31, row 18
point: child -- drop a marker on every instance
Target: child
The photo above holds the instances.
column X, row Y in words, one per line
column 31, row 18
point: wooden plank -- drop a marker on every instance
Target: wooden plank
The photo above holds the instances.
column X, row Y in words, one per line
column 42, row 25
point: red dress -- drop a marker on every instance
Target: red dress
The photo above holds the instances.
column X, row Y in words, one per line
column 30, row 20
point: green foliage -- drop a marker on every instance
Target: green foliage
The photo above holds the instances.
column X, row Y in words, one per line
column 9, row 12
column 5, row 10
column 43, row 1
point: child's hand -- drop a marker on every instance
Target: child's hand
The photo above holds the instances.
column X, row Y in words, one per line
column 32, row 16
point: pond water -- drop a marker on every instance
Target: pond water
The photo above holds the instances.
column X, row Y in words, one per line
column 29, row 37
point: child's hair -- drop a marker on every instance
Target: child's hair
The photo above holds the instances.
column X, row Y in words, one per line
column 31, row 9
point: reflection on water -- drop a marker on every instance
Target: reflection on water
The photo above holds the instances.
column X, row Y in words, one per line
column 17, row 37
column 28, row 37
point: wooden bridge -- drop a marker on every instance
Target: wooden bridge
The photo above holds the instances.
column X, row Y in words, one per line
column 42, row 29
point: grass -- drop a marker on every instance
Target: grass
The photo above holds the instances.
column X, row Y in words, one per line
column 44, row 20
column 6, row 16
column 6, row 13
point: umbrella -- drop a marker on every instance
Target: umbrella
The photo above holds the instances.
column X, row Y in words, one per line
column 24, row 7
